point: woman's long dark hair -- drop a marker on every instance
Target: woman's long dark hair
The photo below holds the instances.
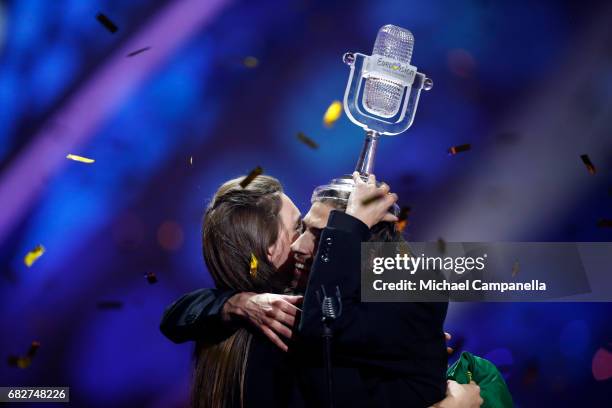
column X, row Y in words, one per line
column 239, row 223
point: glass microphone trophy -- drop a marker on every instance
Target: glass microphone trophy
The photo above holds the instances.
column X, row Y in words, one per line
column 381, row 97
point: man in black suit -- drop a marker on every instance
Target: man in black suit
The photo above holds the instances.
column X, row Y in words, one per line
column 384, row 354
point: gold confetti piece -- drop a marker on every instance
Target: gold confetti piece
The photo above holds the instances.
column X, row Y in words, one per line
column 589, row 165
column 307, row 141
column 254, row 173
column 151, row 277
column 253, row 266
column 33, row 255
column 80, row 158
column 250, row 62
column 332, row 114
column 515, row 268
column 441, row 245
column 458, row 149
column 604, row 223
column 372, row 198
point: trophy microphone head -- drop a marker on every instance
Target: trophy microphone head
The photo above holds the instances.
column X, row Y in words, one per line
column 382, row 96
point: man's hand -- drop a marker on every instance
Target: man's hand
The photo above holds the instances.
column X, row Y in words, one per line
column 273, row 314
column 461, row 396
column 370, row 204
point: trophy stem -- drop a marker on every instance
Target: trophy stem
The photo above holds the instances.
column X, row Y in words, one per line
column 365, row 164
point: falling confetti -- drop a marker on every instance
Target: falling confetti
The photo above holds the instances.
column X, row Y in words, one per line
column 589, row 165
column 604, row 223
column 106, row 22
column 307, row 141
column 402, row 221
column 131, row 54
column 602, row 364
column 515, row 269
column 254, row 173
column 110, row 304
column 253, row 266
column 80, row 158
column 458, row 149
column 191, row 160
column 151, row 277
column 441, row 245
column 332, row 114
column 24, row 361
column 33, row 255
column 250, row 62
column 373, row 198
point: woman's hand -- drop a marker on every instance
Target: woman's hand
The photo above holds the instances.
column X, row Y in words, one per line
column 370, row 204
column 461, row 396
column 273, row 314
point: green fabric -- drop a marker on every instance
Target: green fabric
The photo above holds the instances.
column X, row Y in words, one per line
column 493, row 388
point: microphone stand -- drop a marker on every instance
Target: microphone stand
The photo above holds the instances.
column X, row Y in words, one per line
column 365, row 164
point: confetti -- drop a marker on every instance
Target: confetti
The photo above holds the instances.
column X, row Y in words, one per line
column 254, row 173
column 441, row 245
column 307, row 141
column 253, row 266
column 33, row 255
column 250, row 62
column 110, row 304
column 604, row 223
column 461, row 148
column 151, row 277
column 402, row 221
column 80, row 158
column 131, row 54
column 191, row 160
column 371, row 199
column 602, row 364
column 24, row 361
column 515, row 269
column 332, row 114
column 589, row 165
column 106, row 22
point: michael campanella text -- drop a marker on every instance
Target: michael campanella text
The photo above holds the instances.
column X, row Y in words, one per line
column 443, row 285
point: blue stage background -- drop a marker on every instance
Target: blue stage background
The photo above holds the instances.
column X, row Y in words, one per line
column 527, row 84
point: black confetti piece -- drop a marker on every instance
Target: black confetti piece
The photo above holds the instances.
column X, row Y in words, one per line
column 254, row 173
column 110, row 304
column 151, row 277
column 458, row 149
column 604, row 223
column 106, row 22
column 307, row 141
column 131, row 54
column 589, row 165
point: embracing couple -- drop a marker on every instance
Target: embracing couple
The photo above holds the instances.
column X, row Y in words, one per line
column 259, row 342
